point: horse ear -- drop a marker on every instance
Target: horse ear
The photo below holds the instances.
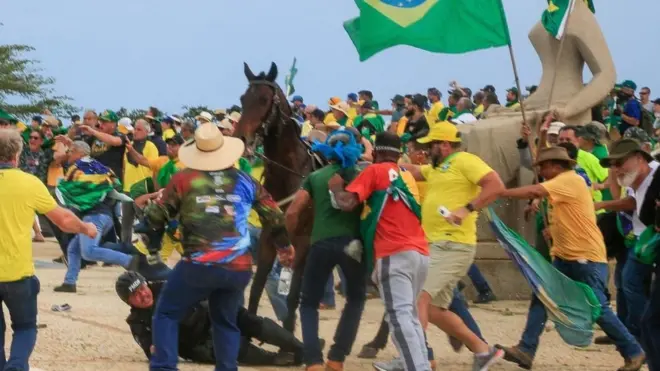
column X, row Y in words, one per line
column 272, row 74
column 248, row 72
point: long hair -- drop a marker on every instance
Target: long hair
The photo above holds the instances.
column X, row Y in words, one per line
column 340, row 146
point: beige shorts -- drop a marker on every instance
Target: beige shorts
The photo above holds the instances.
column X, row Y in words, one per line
column 449, row 262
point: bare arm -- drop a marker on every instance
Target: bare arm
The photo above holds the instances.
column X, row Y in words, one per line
column 491, row 188
column 67, row 221
column 299, row 203
column 368, row 150
column 415, row 170
column 347, row 201
column 103, row 137
column 526, row 192
column 624, row 204
column 630, row 120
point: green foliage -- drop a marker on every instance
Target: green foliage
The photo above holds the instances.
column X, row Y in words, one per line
column 194, row 111
column 133, row 114
column 21, row 80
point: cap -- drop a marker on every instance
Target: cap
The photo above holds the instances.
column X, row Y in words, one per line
column 442, row 132
column 176, row 139
column 398, row 99
column 555, row 127
column 638, row 134
column 629, row 84
column 489, row 89
column 334, row 100
column 590, row 132
column 37, row 119
column 108, row 116
column 513, row 90
column 353, row 97
column 126, row 123
column 657, row 101
column 297, row 98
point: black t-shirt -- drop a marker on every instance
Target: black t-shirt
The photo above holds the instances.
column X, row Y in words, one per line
column 160, row 144
column 110, row 156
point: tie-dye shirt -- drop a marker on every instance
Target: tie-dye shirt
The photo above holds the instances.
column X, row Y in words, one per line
column 213, row 209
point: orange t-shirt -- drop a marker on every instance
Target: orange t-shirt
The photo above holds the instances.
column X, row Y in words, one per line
column 398, row 228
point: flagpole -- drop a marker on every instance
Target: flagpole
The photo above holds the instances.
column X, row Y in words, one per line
column 571, row 7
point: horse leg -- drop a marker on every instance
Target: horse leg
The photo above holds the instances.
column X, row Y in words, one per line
column 265, row 259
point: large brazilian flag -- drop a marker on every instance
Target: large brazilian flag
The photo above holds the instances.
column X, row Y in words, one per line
column 440, row 26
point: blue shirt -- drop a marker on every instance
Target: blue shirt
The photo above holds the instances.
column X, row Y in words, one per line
column 632, row 109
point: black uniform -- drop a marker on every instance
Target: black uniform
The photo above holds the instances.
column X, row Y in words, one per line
column 196, row 343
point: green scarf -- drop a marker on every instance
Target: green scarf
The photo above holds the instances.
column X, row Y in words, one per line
column 166, row 173
column 244, row 165
column 509, row 104
column 398, row 191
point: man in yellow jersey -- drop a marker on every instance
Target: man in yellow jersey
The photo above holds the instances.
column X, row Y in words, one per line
column 340, row 113
column 512, row 98
column 23, row 195
column 435, row 97
column 459, row 184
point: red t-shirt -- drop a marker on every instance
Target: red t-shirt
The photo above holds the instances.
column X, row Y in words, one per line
column 398, row 228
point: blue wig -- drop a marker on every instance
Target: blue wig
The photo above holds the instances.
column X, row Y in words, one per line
column 340, row 146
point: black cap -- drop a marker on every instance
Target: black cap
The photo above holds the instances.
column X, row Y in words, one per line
column 398, row 99
column 657, row 101
column 489, row 89
column 127, row 283
column 367, row 106
column 37, row 119
column 177, row 139
column 434, row 91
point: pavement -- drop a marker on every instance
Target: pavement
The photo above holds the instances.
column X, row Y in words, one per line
column 93, row 335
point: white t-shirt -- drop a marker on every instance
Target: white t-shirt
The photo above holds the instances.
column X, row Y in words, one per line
column 639, row 195
column 465, row 118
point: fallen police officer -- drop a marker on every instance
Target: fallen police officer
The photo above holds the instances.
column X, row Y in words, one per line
column 195, row 342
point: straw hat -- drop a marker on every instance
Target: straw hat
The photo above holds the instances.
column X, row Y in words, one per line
column 341, row 107
column 333, row 124
column 51, row 121
column 204, row 117
column 234, row 117
column 210, row 150
column 225, row 124
column 553, row 153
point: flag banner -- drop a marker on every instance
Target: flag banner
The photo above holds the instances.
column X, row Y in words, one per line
column 572, row 306
column 288, row 80
column 555, row 17
column 439, row 26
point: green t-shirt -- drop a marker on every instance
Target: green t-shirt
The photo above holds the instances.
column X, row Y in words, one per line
column 328, row 221
column 600, row 151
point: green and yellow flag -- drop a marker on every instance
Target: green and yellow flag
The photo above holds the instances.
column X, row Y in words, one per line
column 439, row 26
column 555, row 17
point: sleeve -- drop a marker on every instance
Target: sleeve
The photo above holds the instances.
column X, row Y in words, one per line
column 151, row 153
column 474, row 169
column 270, row 215
column 365, row 183
column 43, row 201
column 411, row 183
column 307, row 184
column 168, row 205
column 426, row 171
column 124, row 140
column 558, row 188
column 422, row 128
column 141, row 335
column 633, row 109
column 525, row 158
column 154, row 163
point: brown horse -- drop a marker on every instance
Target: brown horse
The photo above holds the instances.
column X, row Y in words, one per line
column 266, row 120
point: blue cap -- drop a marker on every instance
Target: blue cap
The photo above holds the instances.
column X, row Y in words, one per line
column 353, row 97
column 297, row 98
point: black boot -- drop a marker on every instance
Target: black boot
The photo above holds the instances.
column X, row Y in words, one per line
column 252, row 355
column 274, row 334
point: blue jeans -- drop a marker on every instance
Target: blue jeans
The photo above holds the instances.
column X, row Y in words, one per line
column 20, row 297
column 478, row 280
column 595, row 276
column 650, row 324
column 621, row 305
column 635, row 277
column 323, row 256
column 83, row 247
column 329, row 292
column 459, row 307
column 187, row 285
column 277, row 300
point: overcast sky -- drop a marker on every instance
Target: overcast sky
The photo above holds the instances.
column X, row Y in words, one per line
column 136, row 53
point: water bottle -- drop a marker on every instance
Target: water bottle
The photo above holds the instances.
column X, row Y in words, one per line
column 284, row 284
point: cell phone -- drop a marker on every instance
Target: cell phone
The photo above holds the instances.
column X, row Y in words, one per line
column 444, row 211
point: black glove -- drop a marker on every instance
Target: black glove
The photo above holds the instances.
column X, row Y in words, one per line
column 152, row 238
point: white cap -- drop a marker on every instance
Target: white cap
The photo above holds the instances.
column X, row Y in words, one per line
column 127, row 123
column 555, row 127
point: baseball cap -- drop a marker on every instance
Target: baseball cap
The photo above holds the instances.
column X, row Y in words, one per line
column 297, row 98
column 513, row 89
column 126, row 123
column 657, row 101
column 489, row 89
column 175, row 139
column 353, row 97
column 629, row 84
column 555, row 127
column 442, row 131
column 108, row 116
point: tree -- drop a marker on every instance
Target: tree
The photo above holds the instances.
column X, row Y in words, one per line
column 194, row 111
column 134, row 114
column 21, row 80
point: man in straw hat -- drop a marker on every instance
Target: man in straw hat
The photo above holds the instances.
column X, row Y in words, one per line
column 578, row 251
column 458, row 185
column 212, row 200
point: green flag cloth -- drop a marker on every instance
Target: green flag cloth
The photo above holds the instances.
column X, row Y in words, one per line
column 398, row 191
column 4, row 115
column 88, row 183
column 646, row 245
column 288, row 80
column 374, row 124
column 555, row 17
column 143, row 187
column 439, row 26
column 166, row 173
column 571, row 305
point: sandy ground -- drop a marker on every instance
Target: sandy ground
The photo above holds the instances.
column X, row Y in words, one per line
column 94, row 336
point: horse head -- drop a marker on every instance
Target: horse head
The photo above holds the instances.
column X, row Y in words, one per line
column 264, row 105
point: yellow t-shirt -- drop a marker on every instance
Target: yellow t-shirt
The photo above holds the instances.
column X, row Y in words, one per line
column 352, row 113
column 21, row 197
column 453, row 184
column 433, row 113
column 134, row 174
column 575, row 234
column 329, row 117
column 421, row 187
column 479, row 110
column 306, row 128
column 55, row 171
column 401, row 126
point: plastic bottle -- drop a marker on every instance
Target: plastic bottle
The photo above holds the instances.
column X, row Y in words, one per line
column 284, row 284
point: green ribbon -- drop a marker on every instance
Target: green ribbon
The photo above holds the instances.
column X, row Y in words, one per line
column 166, row 173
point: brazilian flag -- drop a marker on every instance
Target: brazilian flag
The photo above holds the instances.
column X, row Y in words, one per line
column 87, row 184
column 439, row 26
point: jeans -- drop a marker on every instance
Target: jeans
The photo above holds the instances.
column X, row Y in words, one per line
column 621, row 305
column 460, row 308
column 323, row 256
column 650, row 324
column 20, row 298
column 635, row 277
column 187, row 285
column 277, row 300
column 83, row 247
column 595, row 276
column 127, row 219
column 329, row 292
column 478, row 280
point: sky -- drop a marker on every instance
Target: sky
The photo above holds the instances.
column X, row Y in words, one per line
column 167, row 53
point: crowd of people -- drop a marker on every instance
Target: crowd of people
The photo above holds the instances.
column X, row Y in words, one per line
column 402, row 192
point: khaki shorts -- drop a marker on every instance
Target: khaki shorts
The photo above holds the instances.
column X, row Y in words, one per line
column 449, row 262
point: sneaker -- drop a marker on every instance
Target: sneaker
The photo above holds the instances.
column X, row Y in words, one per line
column 394, row 365
column 517, row 356
column 634, row 364
column 368, row 352
column 603, row 340
column 65, row 287
column 482, row 362
column 485, row 298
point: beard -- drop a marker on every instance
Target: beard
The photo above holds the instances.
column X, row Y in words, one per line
column 627, row 179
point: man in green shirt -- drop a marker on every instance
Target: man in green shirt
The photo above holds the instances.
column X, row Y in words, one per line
column 333, row 230
column 589, row 137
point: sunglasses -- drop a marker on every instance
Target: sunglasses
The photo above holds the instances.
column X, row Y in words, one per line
column 644, row 93
column 35, row 137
